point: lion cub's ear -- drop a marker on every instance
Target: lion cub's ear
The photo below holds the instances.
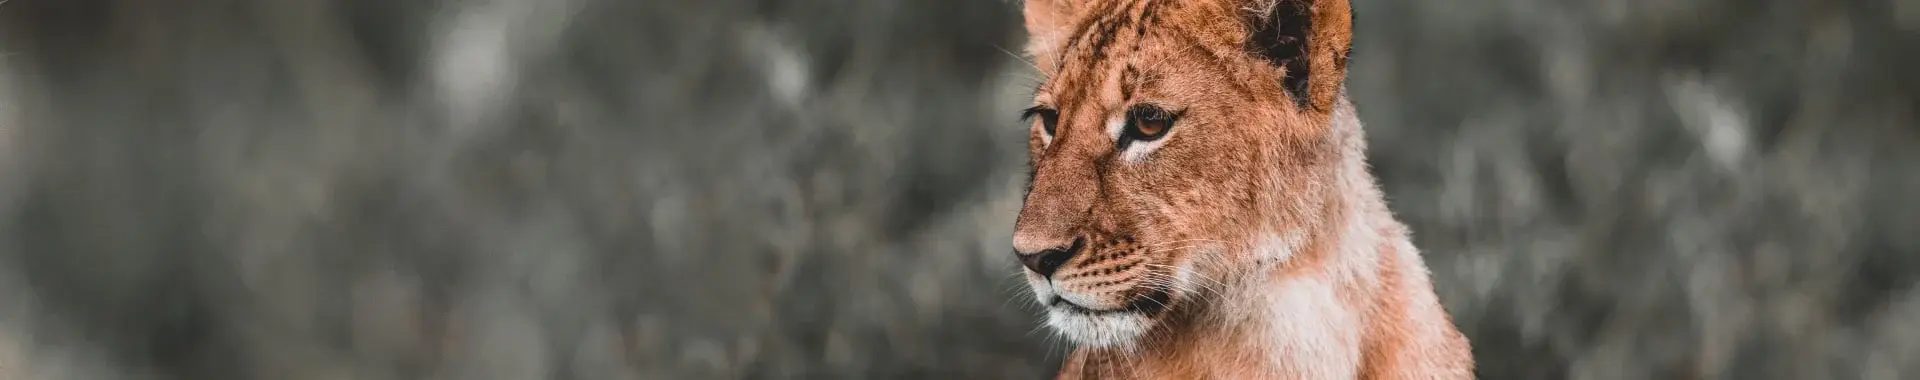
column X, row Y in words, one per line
column 1310, row 39
column 1047, row 24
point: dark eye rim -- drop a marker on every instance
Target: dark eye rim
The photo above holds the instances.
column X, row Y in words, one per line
column 1049, row 118
column 1147, row 113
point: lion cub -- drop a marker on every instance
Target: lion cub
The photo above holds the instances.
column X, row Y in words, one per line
column 1200, row 204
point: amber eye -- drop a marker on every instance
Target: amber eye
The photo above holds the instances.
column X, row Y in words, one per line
column 1048, row 118
column 1146, row 123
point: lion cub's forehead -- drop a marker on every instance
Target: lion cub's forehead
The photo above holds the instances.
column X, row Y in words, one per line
column 1113, row 47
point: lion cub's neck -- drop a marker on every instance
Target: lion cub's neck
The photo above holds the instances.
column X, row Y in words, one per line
column 1306, row 316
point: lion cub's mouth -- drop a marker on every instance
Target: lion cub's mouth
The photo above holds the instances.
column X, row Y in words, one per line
column 1149, row 303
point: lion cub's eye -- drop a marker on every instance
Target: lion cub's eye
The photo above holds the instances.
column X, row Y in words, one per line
column 1146, row 123
column 1048, row 118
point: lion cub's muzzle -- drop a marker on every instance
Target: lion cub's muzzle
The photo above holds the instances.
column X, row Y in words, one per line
column 1096, row 276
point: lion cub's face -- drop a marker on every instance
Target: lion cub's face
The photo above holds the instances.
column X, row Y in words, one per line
column 1169, row 141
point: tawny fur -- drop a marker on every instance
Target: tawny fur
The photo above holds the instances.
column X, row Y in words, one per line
column 1255, row 214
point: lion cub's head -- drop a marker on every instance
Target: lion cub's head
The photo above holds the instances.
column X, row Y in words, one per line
column 1174, row 144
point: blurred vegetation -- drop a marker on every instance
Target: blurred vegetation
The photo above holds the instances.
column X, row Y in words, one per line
column 519, row 189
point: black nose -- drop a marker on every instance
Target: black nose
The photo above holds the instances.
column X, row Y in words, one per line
column 1045, row 262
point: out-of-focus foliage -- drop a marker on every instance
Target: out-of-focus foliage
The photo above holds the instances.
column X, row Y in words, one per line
column 1658, row 189
column 600, row 189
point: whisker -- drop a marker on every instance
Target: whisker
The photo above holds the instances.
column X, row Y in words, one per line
column 1024, row 294
column 1036, row 67
column 1035, row 79
column 1232, row 243
column 1207, row 283
column 1197, row 274
column 1168, row 282
column 1182, row 241
column 1036, row 328
column 1175, row 248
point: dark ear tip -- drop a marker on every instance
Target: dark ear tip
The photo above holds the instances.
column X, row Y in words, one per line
column 1280, row 37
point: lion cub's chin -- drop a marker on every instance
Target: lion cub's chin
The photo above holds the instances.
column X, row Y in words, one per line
column 1099, row 330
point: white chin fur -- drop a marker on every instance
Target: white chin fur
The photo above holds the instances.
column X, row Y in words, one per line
column 1101, row 330
column 1105, row 330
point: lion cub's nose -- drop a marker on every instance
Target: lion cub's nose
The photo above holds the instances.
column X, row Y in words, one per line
column 1047, row 261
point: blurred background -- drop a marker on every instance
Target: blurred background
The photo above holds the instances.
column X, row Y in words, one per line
column 824, row 189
